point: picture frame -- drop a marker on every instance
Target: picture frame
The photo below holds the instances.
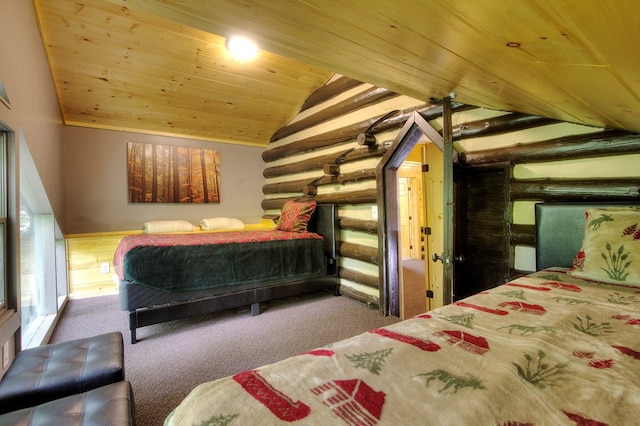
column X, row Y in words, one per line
column 172, row 174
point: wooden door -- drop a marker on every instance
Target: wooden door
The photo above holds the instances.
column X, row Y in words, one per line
column 434, row 236
column 482, row 237
column 448, row 215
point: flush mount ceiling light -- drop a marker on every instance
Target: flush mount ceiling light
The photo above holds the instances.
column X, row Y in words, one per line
column 241, row 48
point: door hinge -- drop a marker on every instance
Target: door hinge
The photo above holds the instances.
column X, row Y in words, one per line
column 425, row 230
column 425, row 168
column 429, row 294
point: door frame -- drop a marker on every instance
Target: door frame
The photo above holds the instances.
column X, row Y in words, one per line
column 414, row 129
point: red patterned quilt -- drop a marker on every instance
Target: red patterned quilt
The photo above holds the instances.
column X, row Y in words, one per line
column 544, row 349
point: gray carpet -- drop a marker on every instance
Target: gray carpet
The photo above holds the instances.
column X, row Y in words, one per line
column 172, row 358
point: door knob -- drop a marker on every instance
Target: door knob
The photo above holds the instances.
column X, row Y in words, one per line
column 445, row 257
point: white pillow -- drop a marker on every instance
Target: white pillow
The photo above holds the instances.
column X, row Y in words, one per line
column 159, row 226
column 221, row 223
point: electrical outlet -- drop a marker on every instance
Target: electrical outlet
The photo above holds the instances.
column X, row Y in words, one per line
column 5, row 356
column 104, row 267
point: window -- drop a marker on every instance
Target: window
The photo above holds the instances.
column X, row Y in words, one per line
column 3, row 221
column 28, row 287
column 43, row 282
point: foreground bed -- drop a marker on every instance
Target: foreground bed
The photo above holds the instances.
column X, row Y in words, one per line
column 164, row 277
column 546, row 348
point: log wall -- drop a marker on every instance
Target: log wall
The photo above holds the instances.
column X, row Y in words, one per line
column 597, row 163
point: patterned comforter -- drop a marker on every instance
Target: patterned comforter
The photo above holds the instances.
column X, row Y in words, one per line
column 544, row 349
column 186, row 262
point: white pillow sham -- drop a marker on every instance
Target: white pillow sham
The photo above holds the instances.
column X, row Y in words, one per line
column 159, row 226
column 221, row 223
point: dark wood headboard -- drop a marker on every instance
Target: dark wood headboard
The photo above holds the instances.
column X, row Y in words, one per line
column 560, row 230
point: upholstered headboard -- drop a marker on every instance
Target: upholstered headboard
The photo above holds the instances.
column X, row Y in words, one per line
column 324, row 221
column 560, row 230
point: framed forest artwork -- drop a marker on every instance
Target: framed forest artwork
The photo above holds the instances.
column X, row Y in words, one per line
column 172, row 174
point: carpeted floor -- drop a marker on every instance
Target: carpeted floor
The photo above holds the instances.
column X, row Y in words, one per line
column 172, row 358
column 413, row 277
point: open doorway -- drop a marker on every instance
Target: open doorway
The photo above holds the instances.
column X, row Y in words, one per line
column 416, row 130
column 420, row 229
column 411, row 221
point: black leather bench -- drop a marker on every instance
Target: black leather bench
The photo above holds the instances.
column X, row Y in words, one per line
column 42, row 374
column 107, row 405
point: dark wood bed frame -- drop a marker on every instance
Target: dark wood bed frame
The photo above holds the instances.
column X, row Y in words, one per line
column 324, row 222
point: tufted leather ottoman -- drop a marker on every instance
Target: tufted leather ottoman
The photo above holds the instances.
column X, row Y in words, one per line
column 49, row 372
column 107, row 405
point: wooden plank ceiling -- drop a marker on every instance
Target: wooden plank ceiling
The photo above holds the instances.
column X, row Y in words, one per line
column 159, row 66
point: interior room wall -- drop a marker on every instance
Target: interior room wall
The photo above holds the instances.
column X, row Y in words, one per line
column 96, row 182
column 34, row 114
column 359, row 272
column 33, row 117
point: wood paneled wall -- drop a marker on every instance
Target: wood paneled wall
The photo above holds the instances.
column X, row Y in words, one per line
column 85, row 256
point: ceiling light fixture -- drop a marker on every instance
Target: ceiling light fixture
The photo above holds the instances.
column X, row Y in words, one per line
column 241, row 48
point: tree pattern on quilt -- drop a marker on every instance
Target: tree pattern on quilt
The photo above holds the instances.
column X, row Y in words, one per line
column 370, row 361
column 516, row 294
column 464, row 320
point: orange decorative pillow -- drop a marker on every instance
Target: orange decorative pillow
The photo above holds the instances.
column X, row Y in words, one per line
column 610, row 250
column 295, row 215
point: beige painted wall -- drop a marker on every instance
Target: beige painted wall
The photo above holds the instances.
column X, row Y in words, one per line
column 34, row 114
column 33, row 117
column 83, row 171
column 96, row 182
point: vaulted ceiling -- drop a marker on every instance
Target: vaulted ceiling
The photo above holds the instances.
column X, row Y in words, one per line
column 160, row 66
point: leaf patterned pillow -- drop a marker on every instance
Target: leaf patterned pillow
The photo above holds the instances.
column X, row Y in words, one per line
column 610, row 250
column 295, row 215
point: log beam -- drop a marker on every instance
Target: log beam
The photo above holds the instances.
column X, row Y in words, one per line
column 360, row 225
column 575, row 190
column 361, row 100
column 364, row 196
column 372, row 302
column 298, row 185
column 503, row 124
column 359, row 277
column 600, row 144
column 359, row 252
column 366, row 139
column 523, row 235
column 331, row 169
column 319, row 162
column 329, row 90
column 349, row 133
